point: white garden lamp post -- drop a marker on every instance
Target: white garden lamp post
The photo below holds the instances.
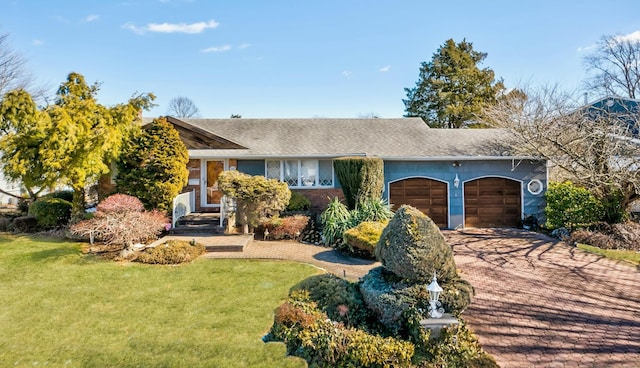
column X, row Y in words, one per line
column 435, row 307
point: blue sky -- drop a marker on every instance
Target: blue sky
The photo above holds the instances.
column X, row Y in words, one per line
column 300, row 58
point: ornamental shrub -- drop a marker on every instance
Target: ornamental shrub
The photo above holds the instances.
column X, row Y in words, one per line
column 309, row 334
column 412, row 247
column 153, row 165
column 571, row 206
column 360, row 178
column 457, row 347
column 298, row 202
column 256, row 196
column 289, row 227
column 363, row 238
column 336, row 218
column 121, row 220
column 50, row 211
column 171, row 252
column 338, row 298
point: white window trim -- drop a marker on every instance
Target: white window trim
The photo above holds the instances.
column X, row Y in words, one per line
column 299, row 161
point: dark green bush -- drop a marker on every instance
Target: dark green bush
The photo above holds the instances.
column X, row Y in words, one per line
column 571, row 206
column 153, row 165
column 67, row 195
column 363, row 238
column 298, row 202
column 338, row 298
column 51, row 211
column 25, row 224
column 171, row 252
column 360, row 178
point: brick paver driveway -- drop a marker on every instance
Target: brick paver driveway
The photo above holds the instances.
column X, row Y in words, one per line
column 542, row 303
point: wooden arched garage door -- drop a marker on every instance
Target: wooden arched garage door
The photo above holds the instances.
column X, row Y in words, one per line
column 492, row 202
column 429, row 196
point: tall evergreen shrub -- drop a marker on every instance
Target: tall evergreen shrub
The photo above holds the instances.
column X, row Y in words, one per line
column 360, row 178
column 153, row 165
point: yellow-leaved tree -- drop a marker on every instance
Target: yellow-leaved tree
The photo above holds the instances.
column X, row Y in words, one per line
column 70, row 142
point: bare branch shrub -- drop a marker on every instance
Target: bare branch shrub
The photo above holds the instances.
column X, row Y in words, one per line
column 121, row 220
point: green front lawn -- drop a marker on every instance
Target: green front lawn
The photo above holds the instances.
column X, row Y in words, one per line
column 59, row 307
column 620, row 255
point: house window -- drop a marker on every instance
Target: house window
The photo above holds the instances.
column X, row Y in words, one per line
column 301, row 173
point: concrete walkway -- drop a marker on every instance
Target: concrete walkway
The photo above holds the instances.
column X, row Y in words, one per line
column 542, row 303
column 324, row 258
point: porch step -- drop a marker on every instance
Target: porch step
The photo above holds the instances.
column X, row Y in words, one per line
column 197, row 228
column 199, row 219
column 224, row 248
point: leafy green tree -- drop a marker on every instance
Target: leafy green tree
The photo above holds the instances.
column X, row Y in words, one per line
column 361, row 178
column 70, row 142
column 153, row 165
column 451, row 88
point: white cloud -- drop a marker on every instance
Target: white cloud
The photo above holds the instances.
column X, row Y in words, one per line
column 91, row 17
column 38, row 42
column 347, row 73
column 217, row 49
column 385, row 69
column 244, row 46
column 192, row 28
column 632, row 37
column 587, row 48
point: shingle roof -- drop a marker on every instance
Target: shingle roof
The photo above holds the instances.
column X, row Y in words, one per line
column 386, row 138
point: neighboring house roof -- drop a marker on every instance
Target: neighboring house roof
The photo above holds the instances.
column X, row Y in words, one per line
column 626, row 110
column 402, row 139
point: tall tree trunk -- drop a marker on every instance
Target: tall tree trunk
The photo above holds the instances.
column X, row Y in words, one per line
column 77, row 206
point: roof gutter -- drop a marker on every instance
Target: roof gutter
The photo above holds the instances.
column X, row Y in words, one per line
column 200, row 155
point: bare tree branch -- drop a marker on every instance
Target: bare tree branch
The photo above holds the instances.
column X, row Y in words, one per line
column 614, row 67
column 182, row 107
column 595, row 148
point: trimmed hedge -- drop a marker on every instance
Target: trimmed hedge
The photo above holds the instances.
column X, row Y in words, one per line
column 360, row 178
column 51, row 211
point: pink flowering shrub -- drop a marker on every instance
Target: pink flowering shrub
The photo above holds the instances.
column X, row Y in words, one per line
column 121, row 220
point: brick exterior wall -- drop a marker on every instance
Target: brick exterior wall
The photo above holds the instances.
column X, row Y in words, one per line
column 320, row 197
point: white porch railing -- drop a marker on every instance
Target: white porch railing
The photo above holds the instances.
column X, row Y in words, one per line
column 227, row 205
column 183, row 204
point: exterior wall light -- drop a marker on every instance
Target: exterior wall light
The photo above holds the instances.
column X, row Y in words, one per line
column 456, row 181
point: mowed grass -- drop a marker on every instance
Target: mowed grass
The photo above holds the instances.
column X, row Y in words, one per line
column 60, row 308
column 620, row 255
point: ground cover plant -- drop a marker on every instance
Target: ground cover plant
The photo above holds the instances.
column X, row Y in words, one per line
column 63, row 308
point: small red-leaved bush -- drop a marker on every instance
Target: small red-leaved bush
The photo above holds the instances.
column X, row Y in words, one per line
column 121, row 220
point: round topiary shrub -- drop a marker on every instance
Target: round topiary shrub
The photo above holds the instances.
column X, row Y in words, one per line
column 50, row 211
column 412, row 247
column 67, row 195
